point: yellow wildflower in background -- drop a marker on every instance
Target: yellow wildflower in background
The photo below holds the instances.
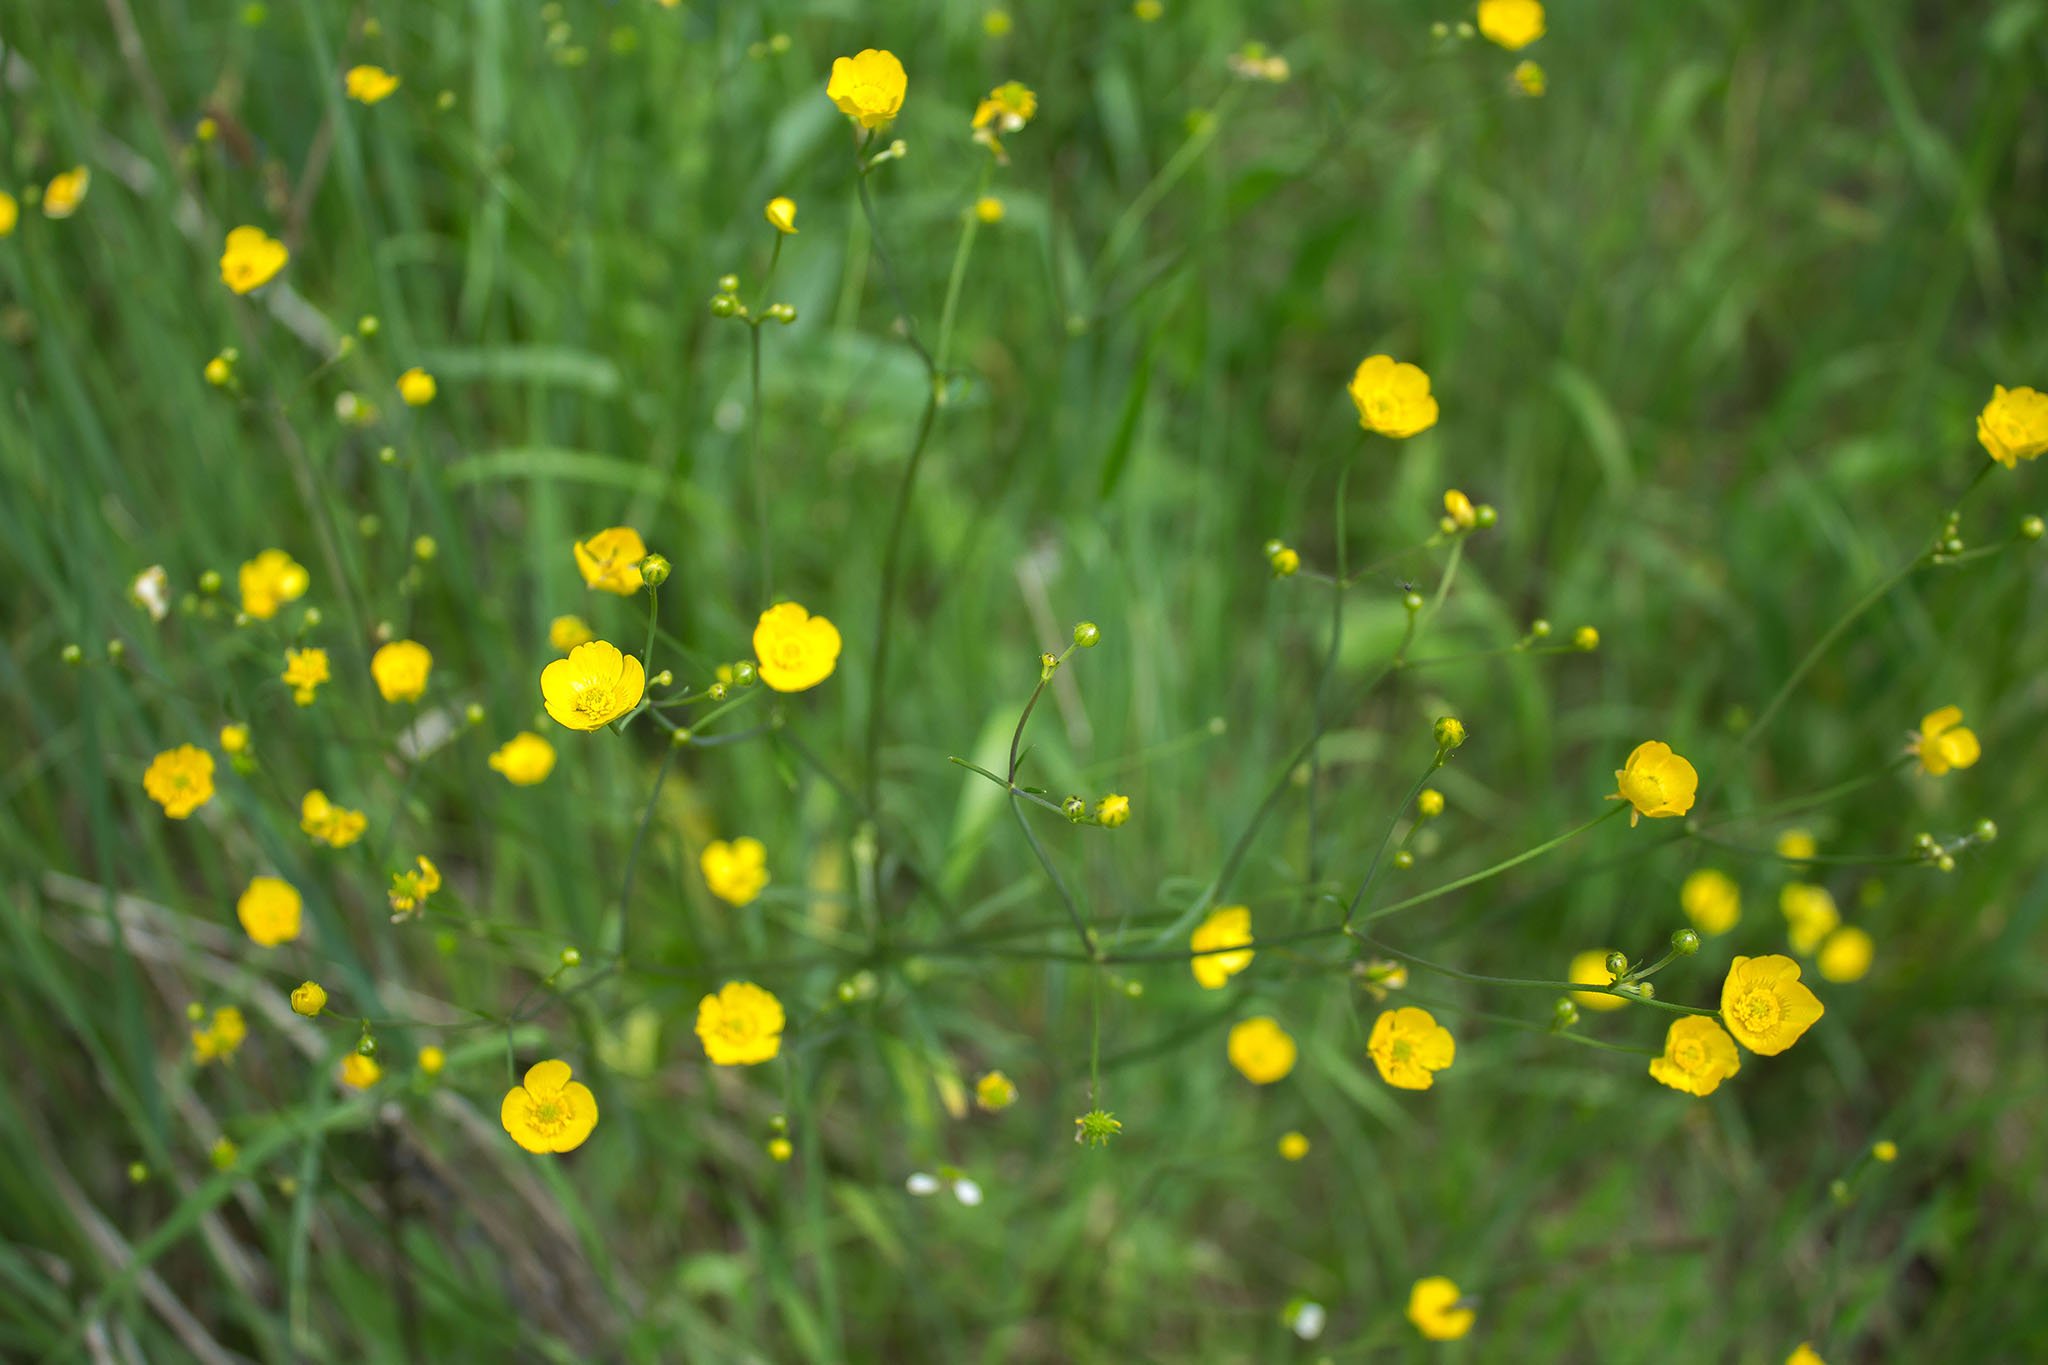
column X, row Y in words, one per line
column 304, row 671
column 1530, row 79
column 1148, row 11
column 781, row 214
column 64, row 193
column 336, row 826
column 1227, row 928
column 1942, row 742
column 1810, row 914
column 432, row 1059
column 234, row 739
column 10, row 213
column 868, row 87
column 180, row 780
column 735, row 871
column 1409, row 1047
column 741, row 1025
column 269, row 911
column 270, row 580
column 524, row 759
column 567, row 632
column 1711, row 900
column 1656, row 781
column 1392, row 397
column 2014, row 425
column 359, row 1072
column 989, row 209
column 1261, row 1050
column 251, row 257
column 1293, row 1146
column 1885, row 1150
column 1590, row 969
column 1804, row 1354
column 1698, row 1056
column 411, row 888
column 610, row 560
column 1429, row 804
column 417, row 387
column 1765, row 1005
column 1513, row 24
column 550, row 1111
column 218, row 1040
column 1006, row 110
column 1460, row 510
column 1113, row 811
column 400, row 669
column 1438, row 1311
column 309, row 998
column 795, row 649
column 995, row 1092
column 1796, row 845
column 368, row 84
column 1846, row 955
column 593, row 687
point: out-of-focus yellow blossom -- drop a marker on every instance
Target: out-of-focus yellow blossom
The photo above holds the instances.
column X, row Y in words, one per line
column 1586, row 639
column 400, row 669
column 309, row 998
column 1430, row 803
column 304, row 671
column 610, row 560
column 1261, row 1050
column 1797, row 845
column 1765, row 1005
column 796, row 650
column 180, row 780
column 64, row 193
column 1006, row 110
column 1531, row 80
column 1437, row 1309
column 1254, row 63
column 996, row 23
column 2014, row 425
column 1459, row 509
column 735, row 870
column 234, row 739
column 1514, row 24
column 1148, row 11
column 1885, row 1150
column 10, row 213
column 1229, row 927
column 593, row 687
column 1804, row 1354
column 224, row 1154
column 432, row 1060
column 1590, row 969
column 741, row 1025
column 995, row 1092
column 1113, row 811
column 781, row 214
column 411, row 888
column 780, row 1149
column 1392, row 397
column 868, row 87
column 1409, row 1047
column 567, row 632
column 1846, row 954
column 1286, row 561
column 336, row 826
column 219, row 371
column 1293, row 1146
column 1810, row 914
column 269, row 911
column 989, row 209
column 524, row 760
column 1656, row 781
column 270, row 580
column 368, row 84
column 1711, row 900
column 219, row 1039
column 1698, row 1056
column 417, row 387
column 251, row 257
column 1942, row 741
column 359, row 1072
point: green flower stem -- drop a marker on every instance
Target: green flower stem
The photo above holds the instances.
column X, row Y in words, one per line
column 1407, row 804
column 1498, row 868
column 1010, row 787
column 1315, row 757
column 1526, row 1026
column 1813, row 656
column 1133, row 216
column 1561, row 987
column 1811, row 799
column 668, row 761
column 1833, row 859
column 958, row 274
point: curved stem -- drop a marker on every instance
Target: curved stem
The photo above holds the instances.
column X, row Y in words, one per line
column 1494, row 871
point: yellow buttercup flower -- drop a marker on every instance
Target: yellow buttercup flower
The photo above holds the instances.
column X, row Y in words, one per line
column 1113, row 811
column 1261, row 1050
column 234, row 739
column 1430, row 803
column 524, row 759
column 868, row 87
column 1409, row 1047
column 1392, row 397
column 741, row 1025
column 550, row 1111
column 304, row 671
column 735, row 871
column 796, row 650
column 1514, row 24
column 1698, row 1056
column 610, row 560
column 1943, row 742
column 1656, row 781
column 359, row 1072
column 269, row 911
column 1460, row 510
column 251, row 257
column 218, row 1041
column 336, row 826
column 1293, row 1146
column 995, row 1092
column 593, row 687
column 432, row 1059
column 1804, row 1354
column 368, row 84
column 417, row 387
column 2014, row 425
column 781, row 214
column 309, row 998
column 1846, row 955
column 64, row 193
column 1227, row 928
column 567, row 632
column 1531, row 79
column 1885, row 1150
column 270, row 580
column 1148, row 11
column 989, row 209
column 1765, row 1005
column 1810, row 914
column 1006, row 110
column 10, row 213
column 180, row 780
column 1711, row 900
column 411, row 888
column 1437, row 1309
column 400, row 669
column 1796, row 845
column 1590, row 969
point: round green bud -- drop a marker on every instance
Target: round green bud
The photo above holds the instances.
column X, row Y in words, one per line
column 1986, row 831
column 718, row 691
column 1134, row 989
column 1403, row 860
column 209, row 582
column 2031, row 528
column 1946, row 862
column 425, row 547
column 1838, row 1190
column 72, row 655
column 473, row 714
column 1540, row 628
column 1685, row 942
column 137, row 1173
column 785, row 313
column 368, row 525
column 1484, row 516
column 1646, row 989
column 366, row 1045
column 1075, row 809
column 665, row 678
column 1087, row 635
column 723, row 306
column 1565, row 1011
column 345, row 347
column 728, row 284
column 778, row 1123
column 778, row 42
column 847, row 992
column 1272, row 547
column 1447, row 526
column 654, row 570
column 387, row 455
column 1616, row 964
column 1450, row 732
column 1953, row 546
column 1412, row 601
column 1923, row 840
column 679, row 736
column 746, row 673
column 312, row 618
column 571, row 957
column 117, row 650
column 367, row 325
column 445, row 101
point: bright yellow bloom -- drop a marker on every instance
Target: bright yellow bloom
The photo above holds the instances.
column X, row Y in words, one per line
column 218, row 371
column 64, row 193
column 741, row 1025
column 735, row 871
column 524, row 759
column 269, row 911
column 995, row 1092
column 1586, row 638
column 359, row 1072
column 1006, row 110
column 10, row 213
column 309, row 998
column 336, row 826
column 1698, row 1056
column 1711, row 900
column 1846, row 955
column 270, row 580
column 1229, row 927
column 304, row 671
column 1148, row 11
column 796, row 650
column 410, row 889
column 610, row 560
column 1530, row 79
column 234, row 739
column 567, row 632
column 1460, row 510
column 251, row 257
column 868, row 87
column 1261, row 1050
column 1885, row 1150
column 180, row 780
column 1804, row 1354
column 1430, row 803
column 417, row 387
column 1410, row 1047
column 2014, row 425
column 781, row 214
column 1392, row 397
column 1514, row 24
column 400, row 668
column 780, row 1149
column 1656, row 781
column 1942, row 741
column 218, row 1041
column 1590, row 969
column 1437, row 1309
column 550, row 1112
column 368, row 84
column 1796, row 845
column 593, row 687
column 1113, row 810
column 1765, row 1005
column 1810, row 914
column 989, row 209
column 1293, row 1146
column 432, row 1059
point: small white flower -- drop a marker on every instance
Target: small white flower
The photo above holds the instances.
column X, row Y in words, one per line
column 152, row 591
column 922, row 1183
column 1308, row 1320
column 967, row 1192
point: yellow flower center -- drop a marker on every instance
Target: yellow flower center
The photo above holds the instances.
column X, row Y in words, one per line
column 594, row 700
column 1758, row 1011
column 547, row 1114
column 789, row 653
column 1404, row 1051
column 1689, row 1057
column 736, row 1029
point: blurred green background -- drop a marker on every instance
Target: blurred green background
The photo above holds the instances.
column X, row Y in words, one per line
column 1710, row 322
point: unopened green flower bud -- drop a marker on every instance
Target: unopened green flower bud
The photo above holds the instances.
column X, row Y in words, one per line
column 1586, row 638
column 679, row 736
column 312, row 619
column 718, row 691
column 1685, row 942
column 1838, row 1190
column 1564, row 1012
column 1485, row 515
column 1075, row 809
column 473, row 714
column 425, row 548
column 367, row 325
column 137, row 1173
column 1403, row 860
column 117, row 650
column 1986, row 831
column 72, row 655
column 1412, row 601
column 1272, row 547
column 1646, row 989
column 1087, row 635
column 665, row 678
column 1540, row 628
column 1617, row 965
column 728, row 284
column 366, row 1045
column 724, row 305
column 387, row 455
column 571, row 957
column 1450, row 733
column 209, row 582
column 2031, row 528
column 1946, row 862
column 745, row 673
